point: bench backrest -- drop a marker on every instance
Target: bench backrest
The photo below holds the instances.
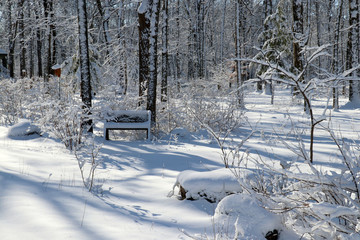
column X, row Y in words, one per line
column 129, row 116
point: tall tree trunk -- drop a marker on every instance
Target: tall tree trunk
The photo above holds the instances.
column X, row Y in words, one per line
column 177, row 46
column 22, row 39
column 38, row 45
column 31, row 46
column 222, row 33
column 298, row 41
column 164, row 55
column 104, row 12
column 200, row 38
column 12, row 32
column 53, row 33
column 144, row 46
column 353, row 49
column 152, row 84
column 267, row 12
column 85, row 83
column 335, row 59
column 239, row 80
column 298, row 30
column 123, row 77
column 47, row 10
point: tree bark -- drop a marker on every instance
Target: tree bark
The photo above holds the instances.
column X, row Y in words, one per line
column 144, row 45
column 123, row 55
column 335, row 59
column 12, row 31
column 85, row 82
column 152, row 84
column 165, row 56
column 298, row 30
column 22, row 39
column 352, row 56
column 239, row 80
column 105, row 22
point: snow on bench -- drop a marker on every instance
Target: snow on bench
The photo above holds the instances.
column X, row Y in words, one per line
column 128, row 120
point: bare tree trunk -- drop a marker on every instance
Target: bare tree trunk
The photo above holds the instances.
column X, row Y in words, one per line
column 144, row 36
column 165, row 56
column 298, row 42
column 335, row 60
column 123, row 55
column 353, row 49
column 22, row 39
column 267, row 12
column 298, row 30
column 53, row 33
column 85, row 83
column 239, row 80
column 177, row 44
column 38, row 45
column 200, row 38
column 105, row 22
column 47, row 10
column 152, row 84
column 222, row 33
column 12, row 31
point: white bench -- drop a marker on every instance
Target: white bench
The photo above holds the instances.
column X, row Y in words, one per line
column 128, row 120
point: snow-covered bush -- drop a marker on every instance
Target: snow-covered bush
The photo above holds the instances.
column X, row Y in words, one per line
column 23, row 128
column 316, row 205
column 246, row 218
column 57, row 110
column 199, row 103
column 62, row 121
column 11, row 100
column 87, row 155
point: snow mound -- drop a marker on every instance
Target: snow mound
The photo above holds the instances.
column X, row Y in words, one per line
column 180, row 132
column 215, row 185
column 211, row 185
column 23, row 128
column 249, row 218
column 351, row 105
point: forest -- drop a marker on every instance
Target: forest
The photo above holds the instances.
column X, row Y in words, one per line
column 272, row 85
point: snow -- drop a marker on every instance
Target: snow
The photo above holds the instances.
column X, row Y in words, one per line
column 213, row 185
column 143, row 7
column 56, row 66
column 247, row 216
column 42, row 194
column 23, row 128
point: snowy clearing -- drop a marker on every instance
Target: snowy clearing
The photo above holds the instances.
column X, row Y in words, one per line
column 42, row 194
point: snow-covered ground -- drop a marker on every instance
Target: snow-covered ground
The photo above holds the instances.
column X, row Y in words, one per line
column 42, row 195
